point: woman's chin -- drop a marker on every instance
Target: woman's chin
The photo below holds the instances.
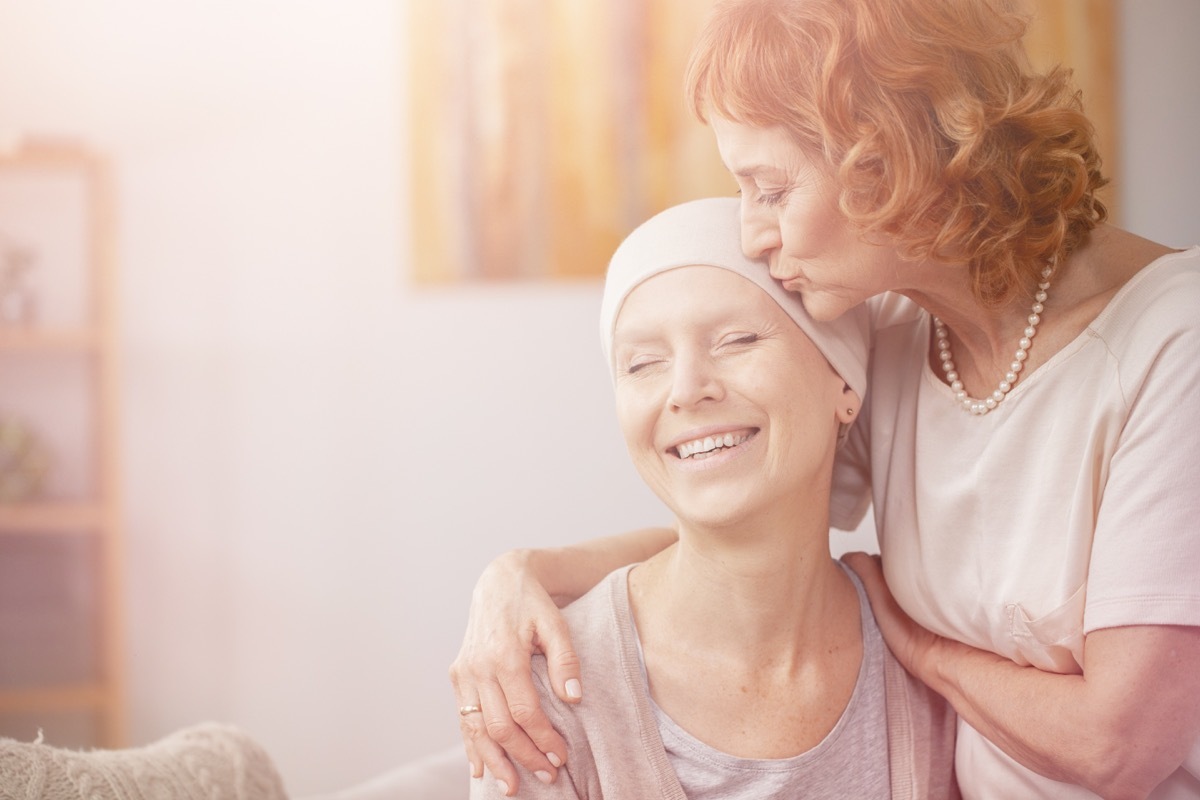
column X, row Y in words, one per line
column 825, row 306
column 712, row 515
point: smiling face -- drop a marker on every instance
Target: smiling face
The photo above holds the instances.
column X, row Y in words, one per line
column 727, row 408
column 790, row 217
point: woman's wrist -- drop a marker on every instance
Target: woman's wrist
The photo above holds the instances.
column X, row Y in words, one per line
column 936, row 665
column 567, row 573
column 542, row 566
column 946, row 666
column 558, row 570
column 512, row 562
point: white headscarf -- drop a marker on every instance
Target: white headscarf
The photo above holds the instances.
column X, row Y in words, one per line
column 708, row 233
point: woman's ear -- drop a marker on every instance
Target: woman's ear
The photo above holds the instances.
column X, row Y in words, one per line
column 849, row 404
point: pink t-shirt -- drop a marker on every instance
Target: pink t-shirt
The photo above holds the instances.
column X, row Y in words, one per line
column 1071, row 507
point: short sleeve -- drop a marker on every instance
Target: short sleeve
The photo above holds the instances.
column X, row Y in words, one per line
column 1145, row 564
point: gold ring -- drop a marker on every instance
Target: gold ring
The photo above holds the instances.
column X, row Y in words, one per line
column 464, row 710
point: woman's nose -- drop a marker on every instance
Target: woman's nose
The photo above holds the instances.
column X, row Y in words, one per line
column 694, row 381
column 760, row 231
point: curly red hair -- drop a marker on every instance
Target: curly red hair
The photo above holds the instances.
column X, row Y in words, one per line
column 940, row 134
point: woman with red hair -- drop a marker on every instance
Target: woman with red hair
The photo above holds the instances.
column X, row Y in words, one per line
column 1032, row 479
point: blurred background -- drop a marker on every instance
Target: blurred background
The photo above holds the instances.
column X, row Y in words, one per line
column 321, row 427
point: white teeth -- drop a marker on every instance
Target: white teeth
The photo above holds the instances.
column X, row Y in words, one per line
column 708, row 444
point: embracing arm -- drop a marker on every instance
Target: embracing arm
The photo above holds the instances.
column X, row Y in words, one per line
column 513, row 615
column 1119, row 729
column 567, row 573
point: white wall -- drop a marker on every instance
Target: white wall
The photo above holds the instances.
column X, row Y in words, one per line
column 1160, row 99
column 319, row 458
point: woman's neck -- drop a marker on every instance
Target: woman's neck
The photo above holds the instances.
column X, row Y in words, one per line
column 752, row 639
column 755, row 594
column 983, row 340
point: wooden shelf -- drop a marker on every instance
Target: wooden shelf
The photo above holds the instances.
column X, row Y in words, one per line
column 82, row 697
column 98, row 516
column 47, row 153
column 50, row 517
column 50, row 340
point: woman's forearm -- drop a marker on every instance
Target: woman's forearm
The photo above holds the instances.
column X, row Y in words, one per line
column 570, row 571
column 1119, row 729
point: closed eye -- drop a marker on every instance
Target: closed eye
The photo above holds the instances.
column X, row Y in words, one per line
column 638, row 366
column 770, row 199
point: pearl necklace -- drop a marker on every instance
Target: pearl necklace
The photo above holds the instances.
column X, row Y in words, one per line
column 981, row 407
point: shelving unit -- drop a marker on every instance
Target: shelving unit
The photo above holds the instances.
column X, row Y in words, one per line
column 78, row 520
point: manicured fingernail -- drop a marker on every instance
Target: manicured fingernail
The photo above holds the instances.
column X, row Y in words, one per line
column 503, row 788
column 573, row 688
column 554, row 759
column 542, row 776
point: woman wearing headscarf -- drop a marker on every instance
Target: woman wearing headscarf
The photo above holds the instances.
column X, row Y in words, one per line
column 1026, row 445
column 742, row 661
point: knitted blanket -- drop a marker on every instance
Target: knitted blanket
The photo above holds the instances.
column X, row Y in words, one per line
column 204, row 762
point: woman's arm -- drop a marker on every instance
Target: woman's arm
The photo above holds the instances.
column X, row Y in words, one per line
column 513, row 615
column 1118, row 730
